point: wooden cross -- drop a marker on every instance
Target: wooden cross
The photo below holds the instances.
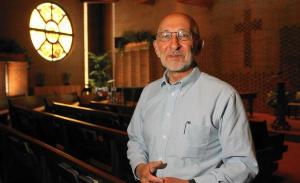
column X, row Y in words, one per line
column 246, row 27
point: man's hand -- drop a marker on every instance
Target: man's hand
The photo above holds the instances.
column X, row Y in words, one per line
column 146, row 172
column 173, row 180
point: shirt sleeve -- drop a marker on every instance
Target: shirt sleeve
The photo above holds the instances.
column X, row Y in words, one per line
column 137, row 151
column 239, row 163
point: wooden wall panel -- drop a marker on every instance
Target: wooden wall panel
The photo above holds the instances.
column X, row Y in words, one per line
column 136, row 66
column 2, row 79
column 57, row 90
column 17, row 78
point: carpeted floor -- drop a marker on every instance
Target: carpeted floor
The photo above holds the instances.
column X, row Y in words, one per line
column 289, row 169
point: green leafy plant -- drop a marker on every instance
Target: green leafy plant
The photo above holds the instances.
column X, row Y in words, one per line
column 99, row 69
column 9, row 46
column 272, row 98
column 130, row 36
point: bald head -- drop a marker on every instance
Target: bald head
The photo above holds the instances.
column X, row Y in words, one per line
column 186, row 21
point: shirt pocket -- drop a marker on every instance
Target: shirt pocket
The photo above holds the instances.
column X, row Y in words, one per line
column 194, row 141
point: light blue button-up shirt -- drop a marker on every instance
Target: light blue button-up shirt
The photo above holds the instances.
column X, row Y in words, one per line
column 198, row 126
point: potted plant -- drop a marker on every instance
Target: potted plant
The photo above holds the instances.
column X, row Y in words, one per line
column 134, row 37
column 11, row 50
column 99, row 70
column 272, row 98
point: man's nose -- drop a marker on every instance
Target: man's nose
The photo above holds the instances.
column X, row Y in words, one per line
column 175, row 42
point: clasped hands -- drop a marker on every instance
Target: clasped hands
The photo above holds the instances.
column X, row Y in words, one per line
column 146, row 173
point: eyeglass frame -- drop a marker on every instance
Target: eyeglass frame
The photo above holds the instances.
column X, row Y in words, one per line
column 177, row 35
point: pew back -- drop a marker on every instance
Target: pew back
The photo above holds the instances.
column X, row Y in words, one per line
column 3, row 110
column 30, row 102
column 43, row 163
column 105, row 118
column 263, row 138
column 117, row 108
column 269, row 149
column 98, row 145
column 71, row 98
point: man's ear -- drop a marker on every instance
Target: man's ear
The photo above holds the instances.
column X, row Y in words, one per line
column 198, row 46
column 156, row 48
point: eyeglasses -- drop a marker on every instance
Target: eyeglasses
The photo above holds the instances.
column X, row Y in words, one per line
column 181, row 35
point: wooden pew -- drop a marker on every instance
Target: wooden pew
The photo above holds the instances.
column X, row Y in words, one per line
column 4, row 110
column 94, row 116
column 27, row 159
column 269, row 149
column 71, row 98
column 106, row 147
column 23, row 120
column 131, row 94
column 294, row 105
column 98, row 145
column 124, row 112
column 117, row 108
column 85, row 99
column 266, row 164
column 262, row 137
column 31, row 102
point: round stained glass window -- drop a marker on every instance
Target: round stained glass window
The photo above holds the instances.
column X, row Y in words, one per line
column 51, row 31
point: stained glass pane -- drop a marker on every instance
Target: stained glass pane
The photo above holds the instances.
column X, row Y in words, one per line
column 36, row 21
column 58, row 52
column 52, row 34
column 65, row 25
column 52, row 37
column 57, row 13
column 45, row 11
column 37, row 37
column 46, row 50
column 66, row 42
column 51, row 31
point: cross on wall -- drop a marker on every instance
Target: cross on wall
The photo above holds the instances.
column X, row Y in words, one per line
column 246, row 27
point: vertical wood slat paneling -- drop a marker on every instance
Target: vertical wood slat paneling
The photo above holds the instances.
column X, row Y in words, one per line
column 144, row 76
column 18, row 78
column 136, row 66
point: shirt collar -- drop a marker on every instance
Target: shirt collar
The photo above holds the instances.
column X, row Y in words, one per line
column 190, row 78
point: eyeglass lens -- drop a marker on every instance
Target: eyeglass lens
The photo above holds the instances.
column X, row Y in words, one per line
column 181, row 35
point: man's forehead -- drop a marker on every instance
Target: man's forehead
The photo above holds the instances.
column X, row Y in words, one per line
column 174, row 22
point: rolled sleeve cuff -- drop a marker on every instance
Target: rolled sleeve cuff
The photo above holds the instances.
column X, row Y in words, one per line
column 206, row 178
column 134, row 164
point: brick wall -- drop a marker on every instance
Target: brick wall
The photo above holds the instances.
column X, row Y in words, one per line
column 261, row 83
column 247, row 43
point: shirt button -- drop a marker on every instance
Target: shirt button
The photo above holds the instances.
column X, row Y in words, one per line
column 168, row 114
column 164, row 136
column 173, row 93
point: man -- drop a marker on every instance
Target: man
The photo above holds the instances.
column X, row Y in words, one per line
column 188, row 126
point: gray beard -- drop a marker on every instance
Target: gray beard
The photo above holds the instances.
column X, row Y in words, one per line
column 185, row 67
